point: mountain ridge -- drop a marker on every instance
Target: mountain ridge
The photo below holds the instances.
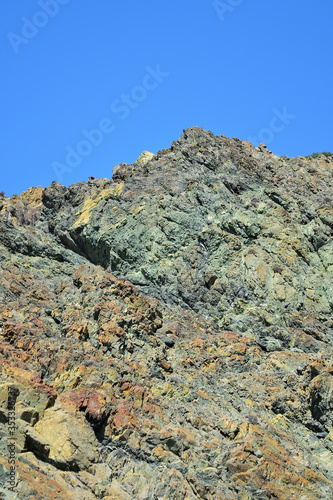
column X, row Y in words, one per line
column 129, row 303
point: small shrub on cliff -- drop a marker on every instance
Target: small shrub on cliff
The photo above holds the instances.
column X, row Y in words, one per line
column 316, row 155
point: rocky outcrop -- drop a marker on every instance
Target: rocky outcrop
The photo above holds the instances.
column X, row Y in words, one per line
column 168, row 333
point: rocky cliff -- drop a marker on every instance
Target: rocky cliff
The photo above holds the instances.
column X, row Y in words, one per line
column 168, row 333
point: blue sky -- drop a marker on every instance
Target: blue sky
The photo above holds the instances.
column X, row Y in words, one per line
column 86, row 85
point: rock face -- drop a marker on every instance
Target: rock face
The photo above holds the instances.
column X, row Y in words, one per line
column 168, row 333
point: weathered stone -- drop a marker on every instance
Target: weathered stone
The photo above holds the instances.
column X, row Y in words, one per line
column 168, row 333
column 72, row 443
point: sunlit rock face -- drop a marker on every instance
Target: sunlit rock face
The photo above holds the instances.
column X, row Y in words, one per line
column 168, row 333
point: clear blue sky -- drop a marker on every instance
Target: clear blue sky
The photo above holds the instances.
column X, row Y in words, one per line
column 141, row 72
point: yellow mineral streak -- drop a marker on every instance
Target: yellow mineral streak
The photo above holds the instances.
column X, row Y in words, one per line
column 90, row 203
